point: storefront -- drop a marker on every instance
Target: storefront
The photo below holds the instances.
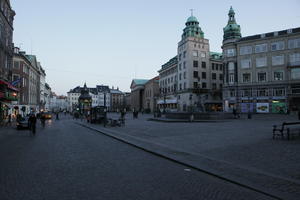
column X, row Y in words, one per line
column 8, row 94
column 168, row 105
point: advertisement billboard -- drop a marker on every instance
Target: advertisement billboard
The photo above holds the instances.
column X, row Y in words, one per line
column 262, row 107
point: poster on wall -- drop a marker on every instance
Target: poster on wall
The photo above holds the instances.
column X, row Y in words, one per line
column 246, row 107
column 262, row 107
column 278, row 107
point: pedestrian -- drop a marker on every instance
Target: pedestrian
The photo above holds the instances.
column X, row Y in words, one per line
column 43, row 119
column 9, row 120
column 57, row 116
column 32, row 123
column 234, row 112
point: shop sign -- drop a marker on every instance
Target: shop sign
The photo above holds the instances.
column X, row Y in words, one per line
column 262, row 107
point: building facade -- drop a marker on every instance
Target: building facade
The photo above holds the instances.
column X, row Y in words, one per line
column 117, row 100
column 8, row 92
column 262, row 72
column 151, row 94
column 137, row 94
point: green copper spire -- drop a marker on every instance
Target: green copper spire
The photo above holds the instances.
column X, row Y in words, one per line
column 232, row 30
column 192, row 28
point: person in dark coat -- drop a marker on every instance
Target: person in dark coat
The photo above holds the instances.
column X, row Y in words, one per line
column 32, row 123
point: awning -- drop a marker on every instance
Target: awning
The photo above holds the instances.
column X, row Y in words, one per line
column 10, row 86
column 168, row 101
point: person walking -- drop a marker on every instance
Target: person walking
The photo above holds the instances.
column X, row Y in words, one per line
column 234, row 112
column 32, row 123
column 43, row 120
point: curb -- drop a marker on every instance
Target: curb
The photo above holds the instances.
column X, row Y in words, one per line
column 185, row 121
column 190, row 161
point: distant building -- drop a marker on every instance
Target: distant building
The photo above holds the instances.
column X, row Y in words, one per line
column 47, row 95
column 151, row 94
column 58, row 103
column 117, row 100
column 100, row 97
column 127, row 99
column 29, row 77
column 193, row 79
column 137, row 93
column 144, row 94
column 262, row 72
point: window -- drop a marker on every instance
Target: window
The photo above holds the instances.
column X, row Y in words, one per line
column 180, row 86
column 195, row 53
column 221, row 67
column 16, row 65
column 184, row 54
column 231, row 78
column 184, row 85
column 231, row 66
column 295, row 73
column 203, row 64
column 203, row 54
column 278, row 92
column 278, row 75
column 195, row 74
column 294, row 59
column 246, row 93
column 245, row 63
column 195, row 63
column 184, row 65
column 179, row 66
column 232, row 93
column 262, row 92
column 278, row 60
column 294, row 43
column 213, row 66
column 15, row 77
column 275, row 46
column 261, row 62
column 203, row 85
column 262, row 77
column 245, row 50
column 246, row 77
column 204, row 75
column 221, row 85
column 195, row 84
column 180, row 76
column 179, row 57
column 214, row 76
column 221, row 76
column 214, row 86
column 184, row 75
column 217, row 66
column 259, row 48
column 230, row 52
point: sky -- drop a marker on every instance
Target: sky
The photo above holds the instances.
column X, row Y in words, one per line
column 112, row 42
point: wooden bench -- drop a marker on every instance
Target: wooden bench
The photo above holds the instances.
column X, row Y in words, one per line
column 280, row 130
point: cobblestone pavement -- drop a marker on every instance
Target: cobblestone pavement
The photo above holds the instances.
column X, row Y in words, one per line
column 66, row 161
column 242, row 143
